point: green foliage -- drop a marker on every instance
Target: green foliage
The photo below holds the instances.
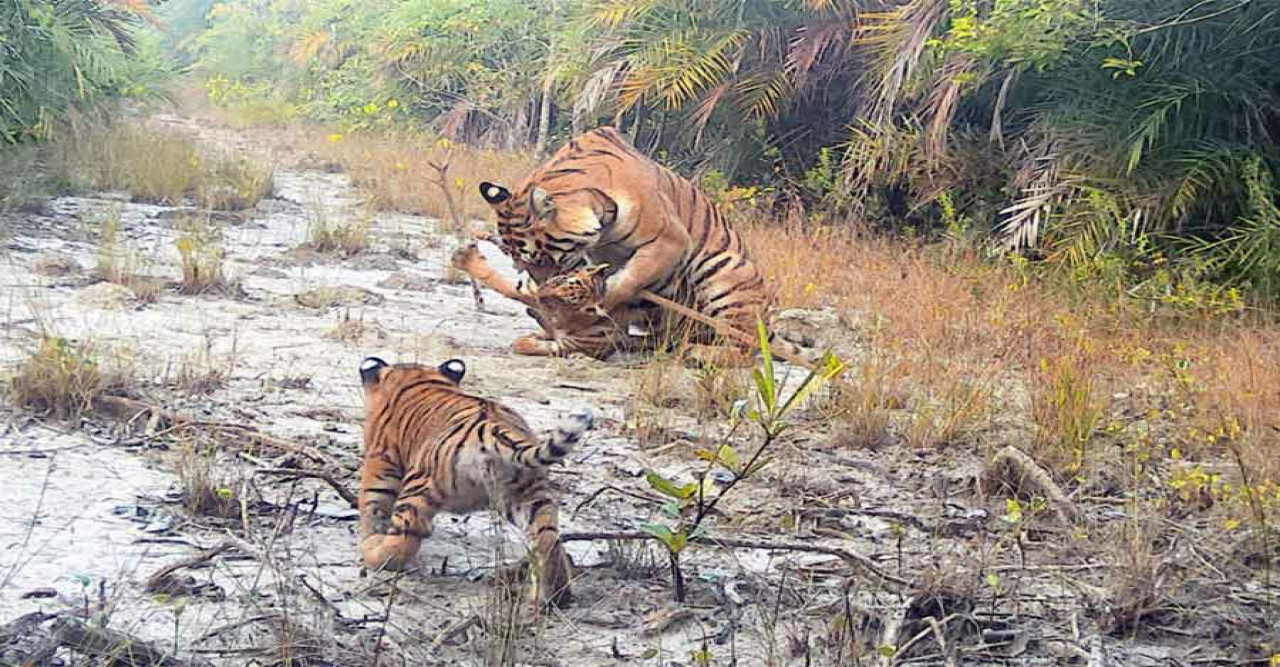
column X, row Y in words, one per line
column 65, row 54
column 690, row 503
column 1119, row 129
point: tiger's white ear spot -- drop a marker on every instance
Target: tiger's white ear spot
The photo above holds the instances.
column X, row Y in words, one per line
column 371, row 370
column 493, row 191
column 454, row 369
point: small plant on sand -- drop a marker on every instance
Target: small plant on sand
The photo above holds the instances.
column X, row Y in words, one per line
column 201, row 256
column 689, row 504
column 347, row 240
column 122, row 264
column 207, row 488
column 1065, row 411
column 61, row 378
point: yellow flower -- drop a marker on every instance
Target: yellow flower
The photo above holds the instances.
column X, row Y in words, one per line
column 335, row 138
column 391, row 104
column 809, row 288
column 1176, row 454
column 1231, row 524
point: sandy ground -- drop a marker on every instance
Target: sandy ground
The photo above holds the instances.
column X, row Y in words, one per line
column 92, row 511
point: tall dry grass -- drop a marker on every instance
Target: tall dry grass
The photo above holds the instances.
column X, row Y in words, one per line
column 158, row 165
column 1074, row 370
column 395, row 168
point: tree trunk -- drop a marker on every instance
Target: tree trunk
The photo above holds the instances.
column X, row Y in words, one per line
column 544, row 115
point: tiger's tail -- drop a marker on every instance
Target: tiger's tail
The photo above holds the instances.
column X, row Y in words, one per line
column 558, row 443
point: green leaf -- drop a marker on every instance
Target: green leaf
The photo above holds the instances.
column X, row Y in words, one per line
column 886, row 650
column 669, row 488
column 827, row 369
column 764, row 375
column 659, row 531
column 993, row 580
column 678, row 542
column 671, row 508
column 728, row 457
column 649, row 654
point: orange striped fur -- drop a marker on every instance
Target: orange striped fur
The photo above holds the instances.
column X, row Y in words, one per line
column 429, row 447
column 599, row 201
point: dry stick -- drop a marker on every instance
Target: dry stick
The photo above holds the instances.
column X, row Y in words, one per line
column 862, row 563
column 112, row 646
column 337, row 486
column 442, row 180
column 1028, row 472
column 453, row 630
column 121, row 406
column 156, row 582
column 721, row 327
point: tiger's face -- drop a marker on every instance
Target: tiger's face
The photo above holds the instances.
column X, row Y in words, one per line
column 581, row 290
column 523, row 225
column 382, row 381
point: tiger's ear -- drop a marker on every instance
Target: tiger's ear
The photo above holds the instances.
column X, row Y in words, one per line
column 593, row 270
column 494, row 194
column 371, row 370
column 541, row 203
column 454, row 369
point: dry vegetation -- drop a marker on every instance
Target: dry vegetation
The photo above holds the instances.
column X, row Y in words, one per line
column 62, row 378
column 1080, row 379
column 121, row 263
column 395, row 169
column 157, row 165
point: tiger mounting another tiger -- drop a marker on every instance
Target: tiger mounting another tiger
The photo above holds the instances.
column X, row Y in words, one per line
column 599, row 201
column 567, row 306
column 429, row 447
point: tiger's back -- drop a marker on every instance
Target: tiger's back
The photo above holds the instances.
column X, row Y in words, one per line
column 431, row 447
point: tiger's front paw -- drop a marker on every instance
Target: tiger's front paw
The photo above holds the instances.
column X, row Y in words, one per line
column 468, row 258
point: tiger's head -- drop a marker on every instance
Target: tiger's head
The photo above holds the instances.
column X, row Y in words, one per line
column 580, row 290
column 383, row 381
column 522, row 225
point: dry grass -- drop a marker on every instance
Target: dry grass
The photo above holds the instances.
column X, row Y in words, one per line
column 122, row 263
column 982, row 346
column 394, row 169
column 201, row 255
column 207, row 487
column 61, row 378
column 345, row 239
column 158, row 165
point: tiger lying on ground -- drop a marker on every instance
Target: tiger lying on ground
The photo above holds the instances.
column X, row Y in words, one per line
column 599, row 201
column 430, row 447
column 566, row 305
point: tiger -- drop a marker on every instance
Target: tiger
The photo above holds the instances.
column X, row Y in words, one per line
column 430, row 446
column 600, row 201
column 567, row 306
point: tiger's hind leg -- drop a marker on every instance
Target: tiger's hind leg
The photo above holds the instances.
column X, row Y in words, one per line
column 391, row 545
column 536, row 513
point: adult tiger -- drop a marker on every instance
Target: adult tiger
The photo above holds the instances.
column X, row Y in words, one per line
column 429, row 446
column 599, row 201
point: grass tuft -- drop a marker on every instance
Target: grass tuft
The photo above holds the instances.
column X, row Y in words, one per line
column 62, row 378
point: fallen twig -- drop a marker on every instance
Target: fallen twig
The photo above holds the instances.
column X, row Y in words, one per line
column 338, row 487
column 861, row 563
column 453, row 630
column 112, row 645
column 609, row 487
column 1012, row 467
column 130, row 409
column 161, row 581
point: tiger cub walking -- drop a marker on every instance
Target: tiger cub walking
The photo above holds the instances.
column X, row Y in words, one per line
column 430, row 447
